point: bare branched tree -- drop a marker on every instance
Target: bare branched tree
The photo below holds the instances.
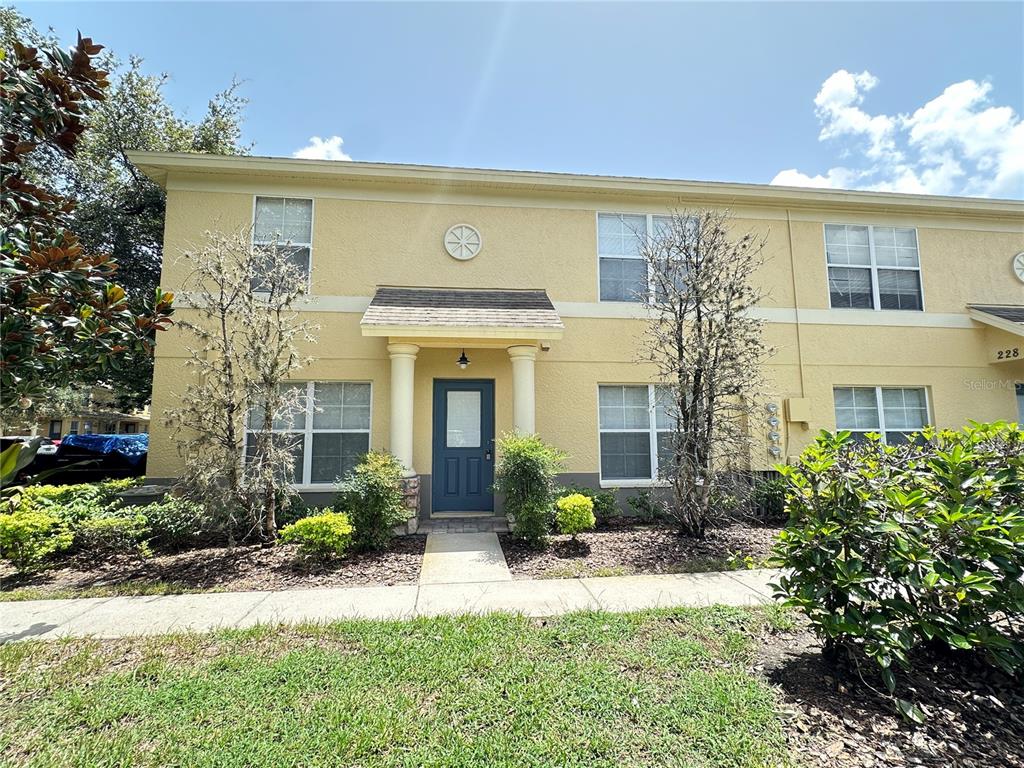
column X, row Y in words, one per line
column 246, row 329
column 709, row 354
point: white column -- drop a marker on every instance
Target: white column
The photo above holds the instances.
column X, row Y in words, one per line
column 403, row 377
column 523, row 403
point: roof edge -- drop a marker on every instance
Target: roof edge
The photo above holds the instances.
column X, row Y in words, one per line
column 159, row 165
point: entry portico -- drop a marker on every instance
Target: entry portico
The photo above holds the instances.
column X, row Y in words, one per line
column 464, row 321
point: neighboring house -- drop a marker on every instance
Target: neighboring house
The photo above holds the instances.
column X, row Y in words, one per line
column 889, row 311
column 100, row 417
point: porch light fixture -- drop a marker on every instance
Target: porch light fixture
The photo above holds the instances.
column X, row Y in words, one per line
column 463, row 361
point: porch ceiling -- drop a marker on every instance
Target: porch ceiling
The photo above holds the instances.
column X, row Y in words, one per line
column 489, row 316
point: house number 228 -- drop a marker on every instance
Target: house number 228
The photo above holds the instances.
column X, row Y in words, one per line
column 1008, row 354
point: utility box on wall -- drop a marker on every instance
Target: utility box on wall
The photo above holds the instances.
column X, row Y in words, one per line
column 798, row 409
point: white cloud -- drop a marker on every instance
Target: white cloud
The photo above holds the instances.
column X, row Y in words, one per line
column 957, row 143
column 322, row 149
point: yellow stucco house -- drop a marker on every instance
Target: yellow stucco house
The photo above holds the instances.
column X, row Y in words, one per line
column 889, row 311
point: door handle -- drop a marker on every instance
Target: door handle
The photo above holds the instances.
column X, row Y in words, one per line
column 487, row 454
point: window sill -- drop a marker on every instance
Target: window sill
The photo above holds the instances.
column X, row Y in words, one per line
column 316, row 487
column 634, row 484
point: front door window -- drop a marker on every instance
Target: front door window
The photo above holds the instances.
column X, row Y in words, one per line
column 463, row 419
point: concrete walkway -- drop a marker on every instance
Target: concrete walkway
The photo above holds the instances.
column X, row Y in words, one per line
column 459, row 558
column 125, row 616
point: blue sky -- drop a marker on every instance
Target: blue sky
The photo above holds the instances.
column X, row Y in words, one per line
column 912, row 97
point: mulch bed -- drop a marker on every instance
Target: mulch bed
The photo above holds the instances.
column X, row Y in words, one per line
column 240, row 568
column 628, row 548
column 976, row 714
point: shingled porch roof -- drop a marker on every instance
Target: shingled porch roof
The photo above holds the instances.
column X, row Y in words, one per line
column 462, row 312
column 1008, row 317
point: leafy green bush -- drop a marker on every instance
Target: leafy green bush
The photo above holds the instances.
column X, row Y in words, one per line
column 324, row 535
column 175, row 523
column 574, row 514
column 371, row 496
column 74, row 503
column 292, row 507
column 643, row 505
column 526, row 472
column 768, row 499
column 113, row 535
column 890, row 548
column 28, row 538
column 605, row 505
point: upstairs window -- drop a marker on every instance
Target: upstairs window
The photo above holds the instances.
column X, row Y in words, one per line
column 873, row 267
column 287, row 223
column 893, row 412
column 620, row 241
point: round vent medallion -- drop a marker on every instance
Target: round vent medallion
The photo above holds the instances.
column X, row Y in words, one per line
column 462, row 242
column 1018, row 266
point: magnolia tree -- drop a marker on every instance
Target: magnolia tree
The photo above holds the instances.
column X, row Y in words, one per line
column 708, row 351
column 233, row 421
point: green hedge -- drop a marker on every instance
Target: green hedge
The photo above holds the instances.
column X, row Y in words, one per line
column 890, row 548
column 526, row 471
column 371, row 496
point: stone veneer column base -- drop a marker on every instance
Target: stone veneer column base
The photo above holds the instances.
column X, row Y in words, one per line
column 411, row 500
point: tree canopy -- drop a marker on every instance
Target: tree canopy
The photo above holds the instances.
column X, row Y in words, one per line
column 119, row 211
column 63, row 317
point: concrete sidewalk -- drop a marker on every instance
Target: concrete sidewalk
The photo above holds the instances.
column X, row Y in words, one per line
column 125, row 616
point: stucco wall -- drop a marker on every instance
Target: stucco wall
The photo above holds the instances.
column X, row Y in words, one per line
column 364, row 237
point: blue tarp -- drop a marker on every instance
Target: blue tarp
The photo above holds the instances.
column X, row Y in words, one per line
column 132, row 447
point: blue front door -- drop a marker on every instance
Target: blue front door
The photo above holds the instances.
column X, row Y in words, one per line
column 463, row 445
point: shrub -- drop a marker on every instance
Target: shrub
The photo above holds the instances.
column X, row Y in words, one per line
column 175, row 523
column 113, row 535
column 643, row 505
column 574, row 514
column 74, row 503
column 605, row 505
column 768, row 499
column 28, row 538
column 526, row 475
column 292, row 507
column 371, row 496
column 893, row 547
column 324, row 535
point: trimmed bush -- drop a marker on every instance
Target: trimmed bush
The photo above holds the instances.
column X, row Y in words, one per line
column 371, row 496
column 605, row 505
column 28, row 538
column 525, row 474
column 890, row 548
column 574, row 514
column 113, row 535
column 175, row 523
column 320, row 536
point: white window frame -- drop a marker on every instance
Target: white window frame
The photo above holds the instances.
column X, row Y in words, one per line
column 308, row 432
column 873, row 267
column 312, row 227
column 881, row 430
column 649, row 233
column 652, row 429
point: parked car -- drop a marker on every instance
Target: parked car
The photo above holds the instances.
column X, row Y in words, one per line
column 47, row 447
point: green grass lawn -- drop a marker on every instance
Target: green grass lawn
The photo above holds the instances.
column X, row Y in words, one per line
column 663, row 688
